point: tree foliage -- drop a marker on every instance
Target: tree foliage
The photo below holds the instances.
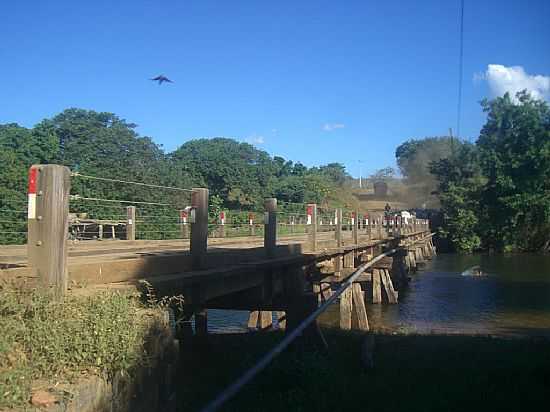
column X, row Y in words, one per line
column 496, row 194
column 101, row 144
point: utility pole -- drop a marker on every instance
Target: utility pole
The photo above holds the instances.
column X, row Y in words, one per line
column 360, row 173
column 452, row 142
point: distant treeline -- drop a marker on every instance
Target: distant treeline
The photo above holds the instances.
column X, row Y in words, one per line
column 494, row 194
column 238, row 175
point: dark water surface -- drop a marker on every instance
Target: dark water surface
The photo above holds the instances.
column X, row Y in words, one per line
column 514, row 299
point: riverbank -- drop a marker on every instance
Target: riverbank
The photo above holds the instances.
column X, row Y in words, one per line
column 89, row 352
column 412, row 373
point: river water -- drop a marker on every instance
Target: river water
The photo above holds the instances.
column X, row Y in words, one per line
column 513, row 299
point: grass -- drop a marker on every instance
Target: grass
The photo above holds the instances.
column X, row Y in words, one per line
column 42, row 340
column 412, row 373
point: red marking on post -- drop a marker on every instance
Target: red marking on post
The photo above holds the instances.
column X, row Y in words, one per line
column 32, row 180
column 310, row 210
column 222, row 215
column 183, row 214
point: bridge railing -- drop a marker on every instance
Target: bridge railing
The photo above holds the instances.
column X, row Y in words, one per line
column 55, row 215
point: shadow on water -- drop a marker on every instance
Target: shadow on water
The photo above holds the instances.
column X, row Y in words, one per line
column 413, row 373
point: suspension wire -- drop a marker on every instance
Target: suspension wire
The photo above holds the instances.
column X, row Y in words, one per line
column 232, row 389
column 460, row 70
column 105, row 179
column 96, row 199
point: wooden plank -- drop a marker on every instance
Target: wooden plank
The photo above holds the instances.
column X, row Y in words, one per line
column 281, row 319
column 346, row 302
column 359, row 308
column 326, row 291
column 253, row 319
column 376, row 291
column 266, row 319
column 388, row 286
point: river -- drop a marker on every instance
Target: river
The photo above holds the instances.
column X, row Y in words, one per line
column 513, row 299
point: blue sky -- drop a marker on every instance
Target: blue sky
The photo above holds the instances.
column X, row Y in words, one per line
column 312, row 81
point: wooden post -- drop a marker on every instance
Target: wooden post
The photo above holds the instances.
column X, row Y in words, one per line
column 346, row 302
column 355, row 227
column 376, row 290
column 359, row 309
column 131, row 223
column 266, row 319
column 270, row 222
column 199, row 227
column 48, row 224
column 100, row 232
column 201, row 322
column 312, row 207
column 253, row 319
column 281, row 319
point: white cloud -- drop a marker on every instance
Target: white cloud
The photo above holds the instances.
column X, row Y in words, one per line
column 502, row 79
column 329, row 127
column 256, row 139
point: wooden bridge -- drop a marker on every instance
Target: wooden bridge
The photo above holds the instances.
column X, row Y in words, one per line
column 289, row 274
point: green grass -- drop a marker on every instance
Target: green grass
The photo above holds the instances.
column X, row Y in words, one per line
column 412, row 373
column 42, row 340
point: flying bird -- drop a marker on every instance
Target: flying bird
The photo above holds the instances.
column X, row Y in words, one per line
column 161, row 78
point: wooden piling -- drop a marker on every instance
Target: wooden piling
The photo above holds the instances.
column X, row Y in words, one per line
column 346, row 304
column 253, row 319
column 376, row 290
column 338, row 236
column 359, row 309
column 266, row 319
column 388, row 286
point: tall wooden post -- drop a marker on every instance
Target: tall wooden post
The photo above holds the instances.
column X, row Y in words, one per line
column 270, row 222
column 199, row 227
column 312, row 208
column 131, row 223
column 48, row 224
column 222, row 224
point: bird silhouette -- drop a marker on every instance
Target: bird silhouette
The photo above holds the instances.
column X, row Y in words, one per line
column 161, row 79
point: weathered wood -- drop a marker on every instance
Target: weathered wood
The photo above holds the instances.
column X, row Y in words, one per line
column 388, row 286
column 281, row 319
column 201, row 322
column 253, row 319
column 199, row 227
column 266, row 319
column 346, row 304
column 131, row 223
column 270, row 231
column 48, row 225
column 376, row 290
column 326, row 291
column 359, row 308
column 317, row 291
